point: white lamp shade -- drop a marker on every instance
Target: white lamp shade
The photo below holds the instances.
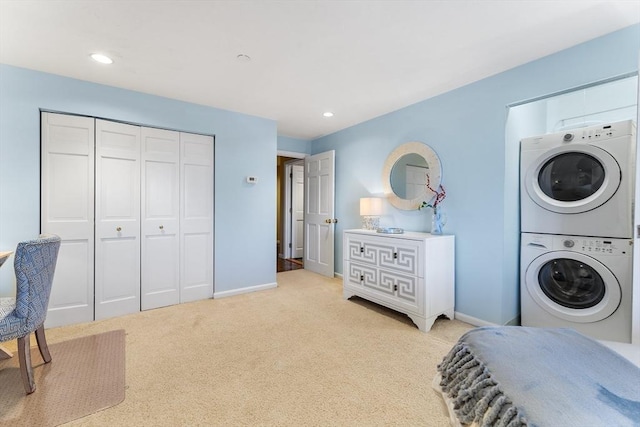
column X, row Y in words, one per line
column 370, row 206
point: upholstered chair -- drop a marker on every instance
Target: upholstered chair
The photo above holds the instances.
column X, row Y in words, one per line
column 35, row 263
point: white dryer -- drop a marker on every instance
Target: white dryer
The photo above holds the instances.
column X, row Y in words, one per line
column 579, row 182
column 579, row 282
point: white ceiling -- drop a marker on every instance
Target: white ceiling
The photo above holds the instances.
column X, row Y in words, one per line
column 359, row 59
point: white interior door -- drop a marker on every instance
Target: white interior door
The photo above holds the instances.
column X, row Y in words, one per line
column 319, row 213
column 196, row 217
column 117, row 272
column 160, row 210
column 416, row 181
column 67, row 209
column 297, row 211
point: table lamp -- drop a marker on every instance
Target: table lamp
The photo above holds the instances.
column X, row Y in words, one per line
column 370, row 210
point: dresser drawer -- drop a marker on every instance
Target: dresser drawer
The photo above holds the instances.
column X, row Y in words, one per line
column 396, row 290
column 401, row 256
column 356, row 274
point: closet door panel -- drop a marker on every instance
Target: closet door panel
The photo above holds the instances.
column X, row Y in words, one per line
column 116, row 252
column 160, row 218
column 117, row 284
column 196, row 258
column 67, row 209
column 196, row 217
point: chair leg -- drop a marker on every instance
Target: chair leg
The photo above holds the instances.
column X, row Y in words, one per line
column 42, row 344
column 24, row 355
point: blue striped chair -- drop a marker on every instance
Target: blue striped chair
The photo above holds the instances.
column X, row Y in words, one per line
column 35, row 263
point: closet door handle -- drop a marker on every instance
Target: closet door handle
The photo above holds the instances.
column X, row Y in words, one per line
column 118, row 229
column 161, row 227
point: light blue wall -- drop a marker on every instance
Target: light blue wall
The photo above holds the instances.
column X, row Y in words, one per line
column 244, row 145
column 466, row 127
column 296, row 145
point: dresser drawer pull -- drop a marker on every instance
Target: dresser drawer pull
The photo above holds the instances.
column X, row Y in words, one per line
column 361, row 249
column 395, row 287
column 362, row 277
column 395, row 255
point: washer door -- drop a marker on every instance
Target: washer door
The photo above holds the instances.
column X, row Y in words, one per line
column 573, row 179
column 573, row 286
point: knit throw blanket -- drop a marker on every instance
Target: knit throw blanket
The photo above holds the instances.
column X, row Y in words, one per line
column 517, row 376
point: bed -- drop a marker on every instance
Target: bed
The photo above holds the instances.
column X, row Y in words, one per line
column 520, row 376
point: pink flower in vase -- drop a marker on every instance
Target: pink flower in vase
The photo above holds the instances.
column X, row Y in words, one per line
column 437, row 220
column 439, row 195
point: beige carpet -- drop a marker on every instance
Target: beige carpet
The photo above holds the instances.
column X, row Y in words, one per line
column 85, row 375
column 295, row 355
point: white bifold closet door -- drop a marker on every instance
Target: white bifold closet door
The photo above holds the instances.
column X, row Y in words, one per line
column 160, row 218
column 196, row 217
column 67, row 193
column 117, row 204
column 134, row 208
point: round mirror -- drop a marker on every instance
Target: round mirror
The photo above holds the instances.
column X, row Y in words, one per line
column 405, row 175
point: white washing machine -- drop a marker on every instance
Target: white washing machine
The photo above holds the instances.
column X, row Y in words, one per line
column 582, row 283
column 579, row 182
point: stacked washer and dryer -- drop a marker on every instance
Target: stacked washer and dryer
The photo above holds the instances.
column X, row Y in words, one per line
column 576, row 207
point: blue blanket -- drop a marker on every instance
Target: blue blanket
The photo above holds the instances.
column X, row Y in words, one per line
column 519, row 376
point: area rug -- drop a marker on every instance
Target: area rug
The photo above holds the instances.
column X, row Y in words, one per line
column 86, row 375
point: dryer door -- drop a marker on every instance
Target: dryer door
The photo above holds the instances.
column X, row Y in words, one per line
column 573, row 286
column 573, row 179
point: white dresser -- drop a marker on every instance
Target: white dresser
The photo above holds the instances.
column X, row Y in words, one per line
column 412, row 272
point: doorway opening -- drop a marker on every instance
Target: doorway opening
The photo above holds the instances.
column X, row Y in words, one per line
column 290, row 214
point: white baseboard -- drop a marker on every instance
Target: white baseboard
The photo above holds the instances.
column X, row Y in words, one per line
column 473, row 320
column 246, row 290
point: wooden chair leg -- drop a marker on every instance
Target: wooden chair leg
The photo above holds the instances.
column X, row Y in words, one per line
column 4, row 353
column 24, row 354
column 42, row 344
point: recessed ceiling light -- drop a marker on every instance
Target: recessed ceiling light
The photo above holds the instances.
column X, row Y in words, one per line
column 243, row 58
column 327, row 114
column 103, row 59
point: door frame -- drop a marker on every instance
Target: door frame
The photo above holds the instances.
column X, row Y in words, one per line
column 286, row 215
column 635, row 285
column 287, row 218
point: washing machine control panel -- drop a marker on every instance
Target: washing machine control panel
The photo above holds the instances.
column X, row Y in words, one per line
column 596, row 245
column 579, row 136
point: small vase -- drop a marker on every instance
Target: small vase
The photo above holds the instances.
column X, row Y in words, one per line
column 437, row 221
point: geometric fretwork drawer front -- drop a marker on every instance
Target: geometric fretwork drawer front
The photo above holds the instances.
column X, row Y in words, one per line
column 376, row 284
column 358, row 274
column 356, row 252
column 400, row 257
column 405, row 287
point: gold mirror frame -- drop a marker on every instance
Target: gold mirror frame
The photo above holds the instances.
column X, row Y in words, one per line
column 435, row 174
